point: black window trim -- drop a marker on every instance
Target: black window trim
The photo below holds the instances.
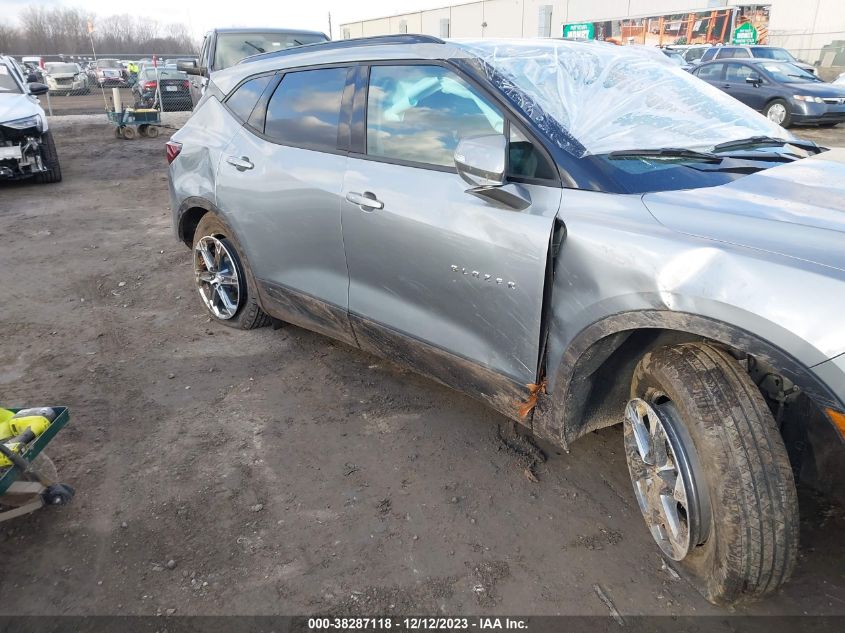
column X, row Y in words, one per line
column 359, row 140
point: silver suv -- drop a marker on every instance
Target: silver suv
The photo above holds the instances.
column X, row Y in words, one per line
column 577, row 234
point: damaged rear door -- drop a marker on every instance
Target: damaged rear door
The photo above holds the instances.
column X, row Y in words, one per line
column 431, row 265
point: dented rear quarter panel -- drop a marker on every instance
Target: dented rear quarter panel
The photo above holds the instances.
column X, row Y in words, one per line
column 204, row 138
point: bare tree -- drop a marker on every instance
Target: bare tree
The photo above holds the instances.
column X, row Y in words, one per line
column 64, row 31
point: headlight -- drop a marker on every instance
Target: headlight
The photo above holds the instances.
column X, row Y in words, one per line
column 808, row 98
column 22, row 124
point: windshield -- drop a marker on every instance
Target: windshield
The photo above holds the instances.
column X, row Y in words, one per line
column 7, row 82
column 765, row 52
column 596, row 98
column 108, row 63
column 233, row 47
column 788, row 73
column 57, row 67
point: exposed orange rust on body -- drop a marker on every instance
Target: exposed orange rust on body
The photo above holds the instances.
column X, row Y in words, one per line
column 534, row 391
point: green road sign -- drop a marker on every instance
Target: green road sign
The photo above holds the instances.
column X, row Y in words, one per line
column 745, row 35
column 580, row 31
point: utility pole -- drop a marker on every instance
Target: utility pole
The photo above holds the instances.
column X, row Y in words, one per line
column 330, row 25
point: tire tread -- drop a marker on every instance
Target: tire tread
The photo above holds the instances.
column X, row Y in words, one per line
column 736, row 418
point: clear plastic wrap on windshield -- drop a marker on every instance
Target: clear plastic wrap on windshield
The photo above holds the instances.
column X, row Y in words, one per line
column 596, row 98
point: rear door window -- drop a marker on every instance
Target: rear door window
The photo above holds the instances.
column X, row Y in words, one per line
column 710, row 72
column 242, row 101
column 304, row 111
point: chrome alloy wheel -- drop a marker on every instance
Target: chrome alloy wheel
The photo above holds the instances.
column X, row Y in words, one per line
column 666, row 476
column 217, row 277
column 776, row 113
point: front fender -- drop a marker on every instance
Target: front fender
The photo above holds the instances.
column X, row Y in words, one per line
column 619, row 270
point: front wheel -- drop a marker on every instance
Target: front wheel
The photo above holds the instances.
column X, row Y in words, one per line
column 50, row 158
column 778, row 112
column 710, row 472
column 225, row 289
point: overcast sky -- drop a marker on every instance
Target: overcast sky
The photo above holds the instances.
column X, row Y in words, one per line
column 202, row 15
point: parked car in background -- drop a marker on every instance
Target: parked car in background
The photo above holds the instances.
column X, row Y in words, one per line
column 571, row 225
column 783, row 92
column 110, row 72
column 34, row 71
column 773, row 53
column 222, row 48
column 165, row 87
column 34, row 60
column 176, row 60
column 27, row 149
column 677, row 58
column 691, row 53
column 66, row 78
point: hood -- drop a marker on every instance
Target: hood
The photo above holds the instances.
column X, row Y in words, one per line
column 796, row 210
column 62, row 75
column 15, row 106
column 820, row 89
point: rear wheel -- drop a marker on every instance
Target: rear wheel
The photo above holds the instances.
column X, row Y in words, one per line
column 129, row 133
column 50, row 158
column 777, row 111
column 711, row 473
column 225, row 289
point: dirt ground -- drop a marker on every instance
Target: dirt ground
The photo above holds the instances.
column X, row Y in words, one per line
column 276, row 471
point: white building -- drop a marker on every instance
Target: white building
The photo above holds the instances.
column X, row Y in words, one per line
column 812, row 29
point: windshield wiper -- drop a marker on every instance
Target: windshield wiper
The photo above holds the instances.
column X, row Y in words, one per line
column 763, row 140
column 666, row 152
column 258, row 48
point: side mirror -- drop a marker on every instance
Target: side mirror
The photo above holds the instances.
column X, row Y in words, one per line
column 753, row 79
column 481, row 161
column 190, row 68
column 36, row 88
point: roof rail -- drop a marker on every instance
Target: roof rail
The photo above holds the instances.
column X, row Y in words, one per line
column 376, row 40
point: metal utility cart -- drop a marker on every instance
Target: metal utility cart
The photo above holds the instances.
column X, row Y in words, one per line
column 145, row 120
column 30, row 483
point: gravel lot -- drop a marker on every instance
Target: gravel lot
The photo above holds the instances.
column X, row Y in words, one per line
column 276, row 471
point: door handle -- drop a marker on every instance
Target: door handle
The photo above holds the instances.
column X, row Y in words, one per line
column 241, row 164
column 367, row 200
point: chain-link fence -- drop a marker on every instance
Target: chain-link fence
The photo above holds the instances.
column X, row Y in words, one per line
column 87, row 86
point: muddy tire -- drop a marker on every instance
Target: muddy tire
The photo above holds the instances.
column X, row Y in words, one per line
column 51, row 161
column 235, row 307
column 740, row 509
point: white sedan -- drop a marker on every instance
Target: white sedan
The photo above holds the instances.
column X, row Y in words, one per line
column 66, row 77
